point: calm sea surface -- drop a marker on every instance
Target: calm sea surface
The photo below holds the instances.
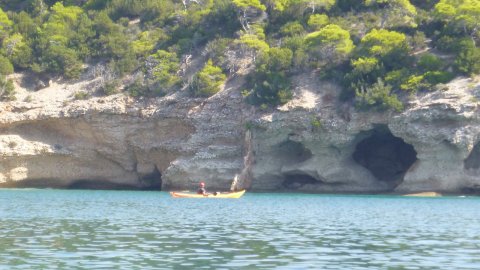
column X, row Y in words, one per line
column 77, row 229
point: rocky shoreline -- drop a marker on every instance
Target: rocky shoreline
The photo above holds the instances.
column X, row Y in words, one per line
column 311, row 144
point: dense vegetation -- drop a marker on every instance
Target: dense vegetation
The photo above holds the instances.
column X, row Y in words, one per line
column 378, row 50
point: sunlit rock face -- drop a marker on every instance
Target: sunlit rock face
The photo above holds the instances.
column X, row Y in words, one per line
column 311, row 149
column 120, row 143
column 331, row 147
column 314, row 143
column 444, row 129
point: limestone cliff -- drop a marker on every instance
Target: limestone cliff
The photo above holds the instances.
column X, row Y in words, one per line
column 329, row 147
column 120, row 142
column 311, row 144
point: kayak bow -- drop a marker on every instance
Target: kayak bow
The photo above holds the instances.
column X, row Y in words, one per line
column 229, row 195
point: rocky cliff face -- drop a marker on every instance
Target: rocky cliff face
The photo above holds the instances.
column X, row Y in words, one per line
column 311, row 144
column 119, row 142
column 328, row 147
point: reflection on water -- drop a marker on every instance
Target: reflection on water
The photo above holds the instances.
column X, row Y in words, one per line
column 58, row 229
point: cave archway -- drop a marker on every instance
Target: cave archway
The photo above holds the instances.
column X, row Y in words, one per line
column 473, row 159
column 153, row 180
column 291, row 152
column 387, row 157
column 472, row 162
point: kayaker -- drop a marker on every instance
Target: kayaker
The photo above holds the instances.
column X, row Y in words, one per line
column 201, row 189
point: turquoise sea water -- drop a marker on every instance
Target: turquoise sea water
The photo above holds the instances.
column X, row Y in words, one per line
column 78, row 229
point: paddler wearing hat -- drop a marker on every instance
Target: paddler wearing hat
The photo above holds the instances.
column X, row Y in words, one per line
column 201, row 189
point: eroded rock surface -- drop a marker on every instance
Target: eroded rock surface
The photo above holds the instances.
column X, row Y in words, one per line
column 119, row 142
column 311, row 144
column 432, row 146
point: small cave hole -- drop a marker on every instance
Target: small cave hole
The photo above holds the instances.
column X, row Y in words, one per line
column 153, row 180
column 293, row 152
column 296, row 181
column 473, row 159
column 387, row 157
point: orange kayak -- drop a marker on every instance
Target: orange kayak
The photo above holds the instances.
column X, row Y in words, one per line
column 219, row 195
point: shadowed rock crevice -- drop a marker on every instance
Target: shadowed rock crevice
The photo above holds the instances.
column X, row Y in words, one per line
column 286, row 159
column 291, row 152
column 298, row 180
column 473, row 190
column 387, row 157
column 473, row 159
column 96, row 184
column 34, row 183
column 153, row 180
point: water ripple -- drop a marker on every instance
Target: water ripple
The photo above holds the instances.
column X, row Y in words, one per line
column 53, row 229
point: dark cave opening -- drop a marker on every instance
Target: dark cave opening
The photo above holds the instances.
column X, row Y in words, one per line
column 473, row 159
column 387, row 157
column 98, row 184
column 153, row 180
column 473, row 190
column 298, row 180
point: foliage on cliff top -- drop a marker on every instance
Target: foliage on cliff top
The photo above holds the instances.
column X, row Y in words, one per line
column 378, row 50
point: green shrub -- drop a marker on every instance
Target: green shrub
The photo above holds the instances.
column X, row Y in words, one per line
column 396, row 77
column 63, row 61
column 364, row 66
column 276, row 59
column 7, row 90
column 418, row 40
column 5, row 66
column 146, row 9
column 269, row 89
column 390, row 47
column 207, row 82
column 292, row 29
column 110, row 88
column 215, row 50
column 146, row 42
column 468, row 61
column 18, row 50
column 364, row 71
column 162, row 68
column 415, row 83
column 126, row 64
column 438, row 77
column 378, row 96
column 348, row 5
column 24, row 24
column 317, row 21
column 294, row 43
column 331, row 43
column 425, row 4
column 81, row 95
column 353, row 42
column 254, row 42
column 299, row 60
column 137, row 88
column 270, row 84
column 382, row 42
column 452, row 44
column 430, row 62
